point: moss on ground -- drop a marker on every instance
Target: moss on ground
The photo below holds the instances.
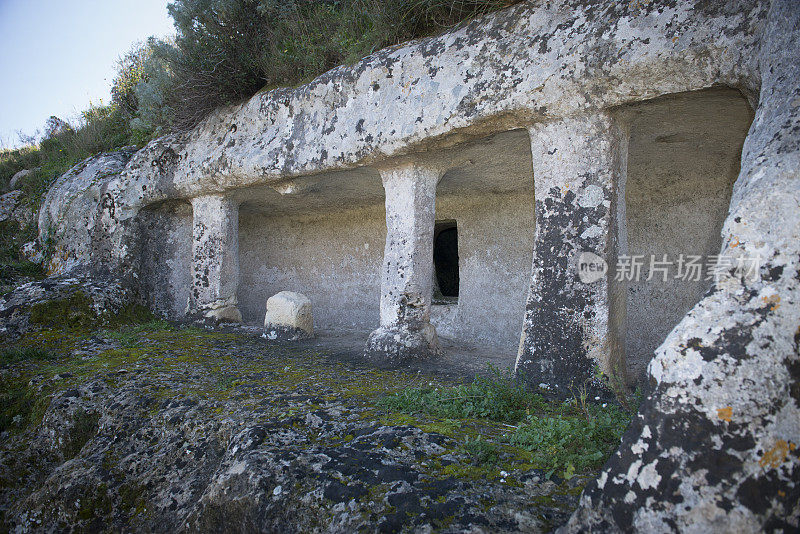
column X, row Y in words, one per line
column 75, row 311
column 230, row 371
column 132, row 498
column 95, row 504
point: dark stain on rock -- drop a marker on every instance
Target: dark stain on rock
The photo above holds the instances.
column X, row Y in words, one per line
column 555, row 351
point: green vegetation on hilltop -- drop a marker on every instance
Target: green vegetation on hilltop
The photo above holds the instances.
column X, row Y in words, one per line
column 99, row 129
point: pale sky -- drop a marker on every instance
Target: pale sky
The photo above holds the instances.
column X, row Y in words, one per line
column 58, row 55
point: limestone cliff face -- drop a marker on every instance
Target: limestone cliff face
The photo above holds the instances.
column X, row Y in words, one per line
column 715, row 446
column 532, row 63
column 79, row 214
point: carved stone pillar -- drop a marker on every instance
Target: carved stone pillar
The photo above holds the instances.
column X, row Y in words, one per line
column 215, row 259
column 407, row 279
column 575, row 312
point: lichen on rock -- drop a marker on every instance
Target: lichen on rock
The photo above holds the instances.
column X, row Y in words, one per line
column 715, row 445
column 78, row 301
column 186, row 429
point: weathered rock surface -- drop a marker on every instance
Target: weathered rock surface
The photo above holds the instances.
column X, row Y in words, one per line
column 715, row 446
column 33, row 252
column 13, row 209
column 81, row 217
column 79, row 301
column 190, row 431
column 289, row 316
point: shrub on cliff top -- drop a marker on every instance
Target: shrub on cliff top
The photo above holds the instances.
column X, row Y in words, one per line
column 227, row 50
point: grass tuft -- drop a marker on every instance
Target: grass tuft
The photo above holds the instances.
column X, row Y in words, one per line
column 498, row 397
column 572, row 442
column 9, row 356
column 482, row 452
column 20, row 406
column 564, row 437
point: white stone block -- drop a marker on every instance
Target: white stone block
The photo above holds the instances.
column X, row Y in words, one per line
column 288, row 316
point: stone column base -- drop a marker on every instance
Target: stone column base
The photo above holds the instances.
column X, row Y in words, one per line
column 401, row 344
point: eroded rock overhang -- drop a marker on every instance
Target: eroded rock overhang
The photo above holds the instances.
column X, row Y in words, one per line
column 535, row 62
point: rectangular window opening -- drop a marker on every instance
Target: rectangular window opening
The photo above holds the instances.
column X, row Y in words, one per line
column 445, row 262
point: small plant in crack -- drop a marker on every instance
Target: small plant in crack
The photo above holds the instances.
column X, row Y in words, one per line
column 482, row 452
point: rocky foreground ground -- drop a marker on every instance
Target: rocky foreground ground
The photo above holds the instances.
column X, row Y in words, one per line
column 163, row 428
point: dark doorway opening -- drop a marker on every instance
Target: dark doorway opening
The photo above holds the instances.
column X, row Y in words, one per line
column 445, row 258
